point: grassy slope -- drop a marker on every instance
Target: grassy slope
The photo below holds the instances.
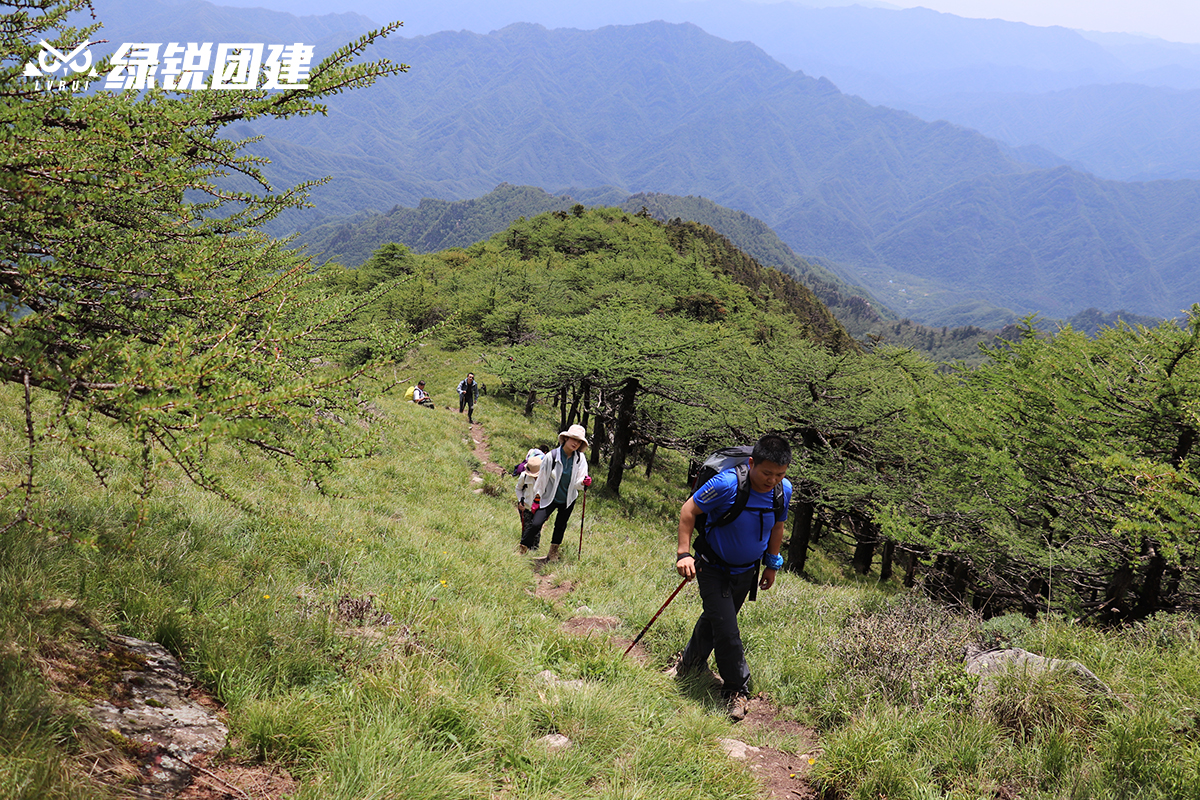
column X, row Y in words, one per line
column 443, row 703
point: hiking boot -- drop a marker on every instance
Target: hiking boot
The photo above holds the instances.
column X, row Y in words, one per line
column 552, row 553
column 522, row 549
column 737, row 707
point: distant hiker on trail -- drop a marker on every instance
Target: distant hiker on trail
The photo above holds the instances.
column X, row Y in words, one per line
column 563, row 474
column 727, row 556
column 421, row 397
column 468, row 393
column 525, row 481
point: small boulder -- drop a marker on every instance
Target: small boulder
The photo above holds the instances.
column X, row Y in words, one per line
column 555, row 741
column 988, row 664
column 738, row 750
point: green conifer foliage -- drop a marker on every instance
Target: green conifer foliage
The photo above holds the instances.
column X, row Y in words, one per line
column 139, row 292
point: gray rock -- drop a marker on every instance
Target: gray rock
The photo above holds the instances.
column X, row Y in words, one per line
column 555, row 741
column 736, row 749
column 152, row 711
column 989, row 664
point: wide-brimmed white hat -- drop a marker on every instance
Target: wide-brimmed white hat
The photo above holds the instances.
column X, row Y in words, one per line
column 533, row 465
column 574, row 432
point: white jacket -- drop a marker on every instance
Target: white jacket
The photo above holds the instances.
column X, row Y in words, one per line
column 552, row 470
column 525, row 483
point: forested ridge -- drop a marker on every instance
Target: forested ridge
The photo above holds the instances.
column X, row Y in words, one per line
column 437, row 224
column 983, row 479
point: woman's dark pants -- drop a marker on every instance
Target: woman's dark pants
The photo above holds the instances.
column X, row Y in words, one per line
column 532, row 535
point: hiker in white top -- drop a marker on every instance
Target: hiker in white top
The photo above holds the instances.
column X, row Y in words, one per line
column 525, row 483
column 421, row 396
column 563, row 474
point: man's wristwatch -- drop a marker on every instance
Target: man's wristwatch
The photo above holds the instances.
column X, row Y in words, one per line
column 680, row 556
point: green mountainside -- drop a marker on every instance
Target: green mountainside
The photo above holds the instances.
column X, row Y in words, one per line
column 437, row 224
column 566, row 264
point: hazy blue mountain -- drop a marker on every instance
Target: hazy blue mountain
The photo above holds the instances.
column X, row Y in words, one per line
column 1123, row 131
column 937, row 221
column 1011, row 81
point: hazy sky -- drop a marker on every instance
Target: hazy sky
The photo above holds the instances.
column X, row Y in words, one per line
column 1174, row 20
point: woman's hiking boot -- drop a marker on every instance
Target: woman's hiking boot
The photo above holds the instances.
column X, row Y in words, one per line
column 552, row 553
column 522, row 549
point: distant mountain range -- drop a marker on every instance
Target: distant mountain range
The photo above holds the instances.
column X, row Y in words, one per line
column 1118, row 105
column 936, row 221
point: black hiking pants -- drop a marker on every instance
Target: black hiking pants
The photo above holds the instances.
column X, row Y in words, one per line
column 531, row 537
column 717, row 630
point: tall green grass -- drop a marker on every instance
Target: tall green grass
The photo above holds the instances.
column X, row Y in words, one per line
column 280, row 614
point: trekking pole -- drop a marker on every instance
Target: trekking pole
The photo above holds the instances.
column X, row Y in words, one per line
column 651, row 622
column 582, row 514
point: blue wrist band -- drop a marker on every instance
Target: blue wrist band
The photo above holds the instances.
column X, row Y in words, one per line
column 772, row 562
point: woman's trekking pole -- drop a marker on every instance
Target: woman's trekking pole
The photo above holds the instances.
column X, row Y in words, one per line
column 651, row 622
column 582, row 514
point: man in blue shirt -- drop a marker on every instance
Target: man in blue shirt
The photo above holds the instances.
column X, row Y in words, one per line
column 725, row 568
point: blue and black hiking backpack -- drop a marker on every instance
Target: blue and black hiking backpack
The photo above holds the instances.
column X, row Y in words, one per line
column 735, row 458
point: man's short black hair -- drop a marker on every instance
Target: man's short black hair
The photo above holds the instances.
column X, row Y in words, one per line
column 772, row 447
column 420, row 383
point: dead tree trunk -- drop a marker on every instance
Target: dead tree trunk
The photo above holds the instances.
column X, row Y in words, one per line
column 885, row 562
column 650, row 460
column 576, row 398
column 910, row 566
column 586, row 391
column 1151, row 583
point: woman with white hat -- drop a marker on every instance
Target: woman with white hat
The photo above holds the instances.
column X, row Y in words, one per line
column 563, row 472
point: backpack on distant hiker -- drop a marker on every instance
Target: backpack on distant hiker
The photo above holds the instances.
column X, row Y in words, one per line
column 735, row 458
column 519, row 468
column 408, row 394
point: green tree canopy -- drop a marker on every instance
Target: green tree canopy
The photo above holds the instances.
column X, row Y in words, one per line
column 1073, row 460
